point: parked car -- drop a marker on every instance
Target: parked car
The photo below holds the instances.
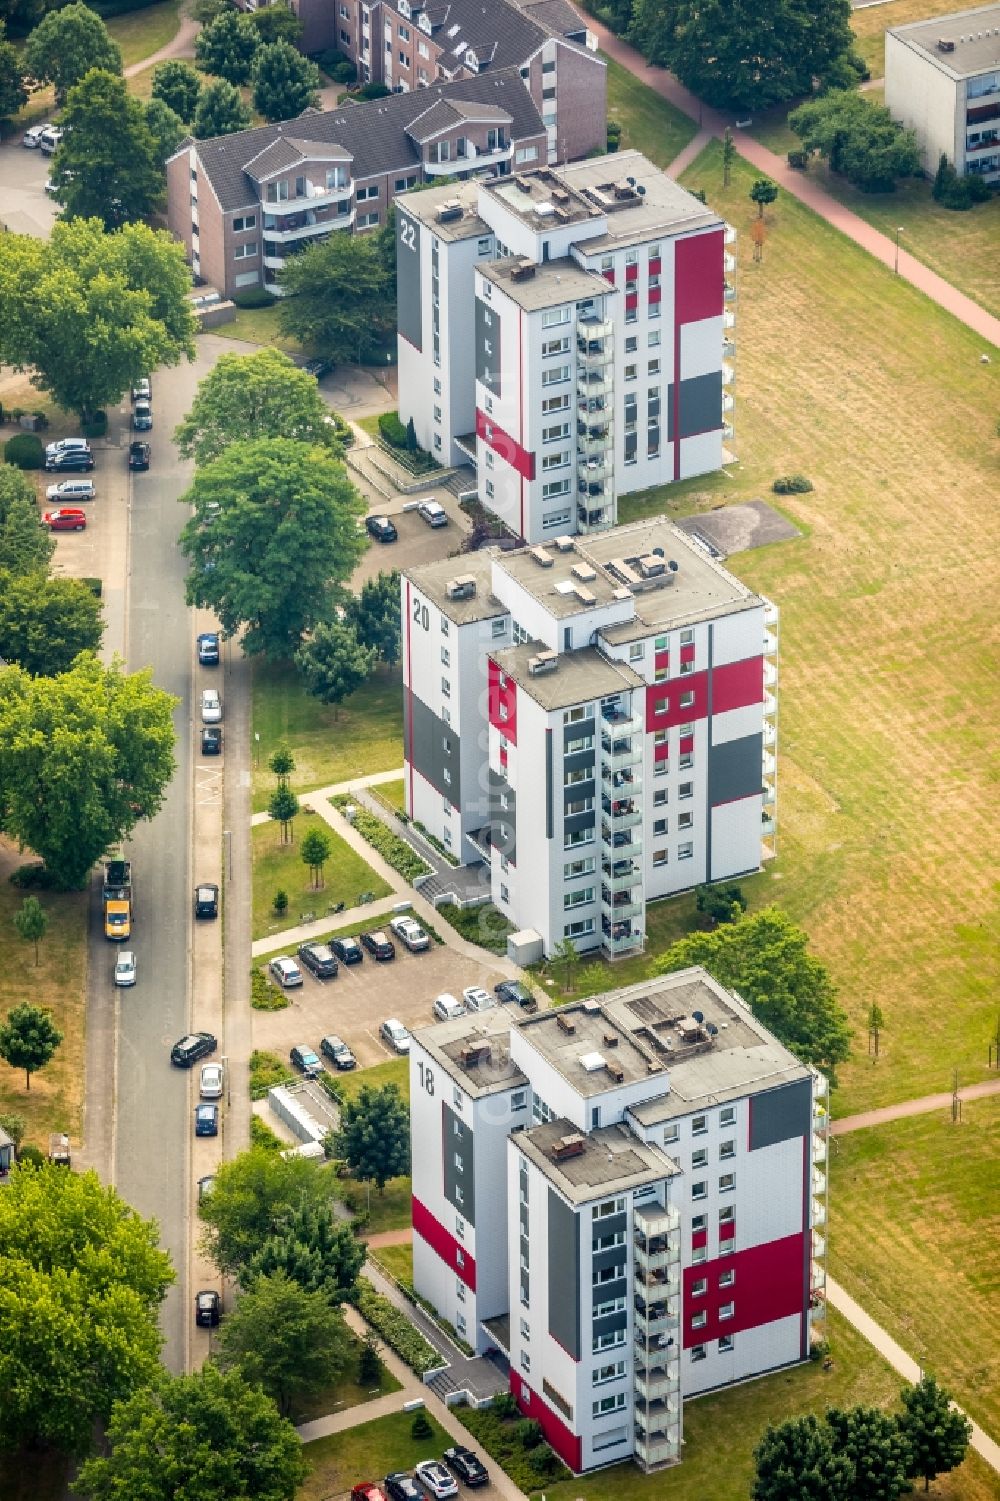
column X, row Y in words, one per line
column 347, row 950
column 466, row 1465
column 410, row 934
column 206, row 900
column 66, row 519
column 402, row 1487
column 211, row 741
column 477, row 999
column 318, row 960
column 378, row 945
column 516, row 993
column 211, row 706
column 208, row 649
column 212, row 1081
column 70, row 460
column 207, row 1309
column 66, row 445
column 433, row 513
column 71, row 490
column 338, row 1053
column 125, row 968
column 367, row 1492
column 206, row 1120
column 381, row 528
column 306, row 1061
column 435, row 1479
column 448, row 1007
column 395, row 1034
column 286, row 972
column 138, row 454
column 50, row 138
column 142, row 416
column 192, row 1047
column 32, row 137
column 142, row 390
column 320, row 367
column 206, row 1186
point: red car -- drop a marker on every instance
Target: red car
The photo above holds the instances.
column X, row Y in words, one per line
column 368, row 1492
column 66, row 519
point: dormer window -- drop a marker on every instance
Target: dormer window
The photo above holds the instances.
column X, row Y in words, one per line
column 403, row 8
column 472, row 61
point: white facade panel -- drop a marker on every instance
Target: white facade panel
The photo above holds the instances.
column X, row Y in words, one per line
column 926, row 99
column 735, row 724
column 737, row 636
column 701, row 454
column 736, row 836
column 754, row 1352
column 701, row 345
column 770, row 1186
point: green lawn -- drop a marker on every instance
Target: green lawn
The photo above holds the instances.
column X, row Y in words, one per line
column 364, row 736
column 279, row 867
column 666, row 921
column 649, row 124
column 397, row 1261
column 394, row 793
column 259, row 325
column 139, row 33
column 386, row 1211
column 393, row 1071
column 367, row 1452
column 914, row 1236
column 346, row 1392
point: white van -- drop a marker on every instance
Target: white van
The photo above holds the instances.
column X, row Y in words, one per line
column 50, row 138
column 32, row 137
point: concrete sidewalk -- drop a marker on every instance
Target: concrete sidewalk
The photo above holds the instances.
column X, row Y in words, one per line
column 923, row 1106
column 335, row 788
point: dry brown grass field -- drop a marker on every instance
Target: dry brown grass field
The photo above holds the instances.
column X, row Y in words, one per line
column 871, row 23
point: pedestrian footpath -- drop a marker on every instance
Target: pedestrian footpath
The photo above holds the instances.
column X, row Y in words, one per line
column 923, row 1106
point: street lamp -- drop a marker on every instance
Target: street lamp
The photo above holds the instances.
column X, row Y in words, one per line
column 895, row 265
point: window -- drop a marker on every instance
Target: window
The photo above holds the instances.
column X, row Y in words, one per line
column 726, row 1279
column 727, row 1183
column 687, row 638
column 519, row 1099
column 659, row 857
column 727, row 1116
column 699, row 1125
column 685, row 851
column 610, row 1404
column 555, row 404
column 631, row 257
column 697, row 1352
column 540, row 1112
column 661, row 705
column 616, row 1237
column 245, row 252
column 499, row 627
column 459, row 1159
column 727, row 1149
column 552, row 317
column 613, row 1305
column 699, row 1320
column 685, row 761
column 460, row 1290
column 525, row 1329
column 460, row 1196
column 660, row 828
column 660, row 797
column 404, row 33
column 687, row 700
column 366, row 221
column 555, row 346
column 608, row 1274
column 578, row 837
column 727, row 1310
column 653, row 338
column 698, row 1222
column 581, row 929
column 247, row 221
column 548, row 67
column 555, row 487
column 636, row 651
column 630, row 372
column 579, row 868
column 554, row 433
column 403, row 184
column 727, row 1215
column 686, row 668
column 578, row 898
column 446, row 687
column 686, row 789
column 555, row 518
column 685, row 820
column 445, row 658
column 525, row 154
column 613, row 1372
column 699, row 1190
column 609, row 1207
column 699, row 1287
column 459, row 1227
column 653, row 368
column 555, row 376
column 671, row 1132
column 699, row 1253
column 555, row 460
column 525, row 1361
column 700, row 1158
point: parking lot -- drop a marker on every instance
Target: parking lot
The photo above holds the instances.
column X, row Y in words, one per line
column 418, row 542
column 27, row 210
column 362, row 996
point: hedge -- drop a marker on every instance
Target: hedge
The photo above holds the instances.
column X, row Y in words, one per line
column 96, row 425
column 265, row 997
column 24, row 451
column 485, row 925
column 395, row 1328
column 254, row 298
column 394, row 851
column 392, row 429
column 514, row 1443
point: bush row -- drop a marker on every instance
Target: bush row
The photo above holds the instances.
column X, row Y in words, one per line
column 395, row 1328
column 265, row 997
column 515, row 1443
column 394, row 851
column 484, row 925
column 792, row 484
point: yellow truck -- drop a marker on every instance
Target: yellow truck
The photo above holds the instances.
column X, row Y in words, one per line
column 118, row 897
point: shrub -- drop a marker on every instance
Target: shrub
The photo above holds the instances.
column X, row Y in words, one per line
column 266, row 1070
column 504, row 1405
column 543, row 1461
column 41, row 419
column 32, row 1154
column 614, row 135
column 420, row 1428
column 792, row 484
column 95, row 426
column 336, row 66
column 280, row 903
column 372, row 91
column 394, row 1328
column 957, row 193
column 529, row 1433
column 798, row 159
column 392, row 429
column 395, row 851
column 485, row 925
column 96, row 586
column 499, row 1436
column 24, row 451
column 265, row 997
column 253, row 297
column 699, row 193
column 32, row 878
column 370, row 1367
column 261, row 1135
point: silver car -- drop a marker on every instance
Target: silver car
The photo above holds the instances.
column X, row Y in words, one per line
column 125, row 968
column 212, row 1081
column 410, row 934
column 395, row 1034
column 448, row 1007
column 477, row 999
column 211, row 706
column 286, row 972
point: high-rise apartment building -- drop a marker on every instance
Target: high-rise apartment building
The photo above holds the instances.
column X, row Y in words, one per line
column 627, row 1197
column 599, row 300
column 596, row 721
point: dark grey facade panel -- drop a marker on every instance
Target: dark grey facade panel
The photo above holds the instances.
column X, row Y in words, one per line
column 613, row 1224
column 701, row 404
column 548, row 784
column 564, row 1274
column 580, row 760
column 734, row 770
column 503, row 821
column 409, row 312
column 605, row 1291
column 577, row 792
column 575, row 823
column 578, row 730
column 459, row 1163
column 780, row 1114
column 433, row 749
column 611, row 1323
column 487, row 347
column 614, row 1256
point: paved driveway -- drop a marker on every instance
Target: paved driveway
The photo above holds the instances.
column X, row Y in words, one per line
column 363, row 996
column 418, row 542
column 26, row 210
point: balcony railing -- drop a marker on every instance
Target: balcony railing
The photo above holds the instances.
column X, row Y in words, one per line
column 770, row 675
column 770, row 703
column 590, row 520
column 770, row 644
column 286, row 227
column 769, row 764
column 728, row 318
column 622, row 943
column 621, row 842
column 592, row 384
column 593, row 327
column 769, row 794
column 655, row 1384
column 770, row 735
column 818, row 1245
column 818, row 1212
column 621, row 818
column 595, row 446
column 594, row 468
column 819, row 1147
column 817, row 1277
column 729, row 262
column 728, row 373
column 767, row 827
column 818, row 1180
column 729, row 294
column 473, row 161
column 728, row 402
column 617, row 911
column 729, row 238
column 728, row 349
column 594, row 354
column 627, row 877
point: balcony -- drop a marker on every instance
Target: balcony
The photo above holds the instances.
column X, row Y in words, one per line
column 818, row 1179
column 818, row 1245
column 727, row 429
column 655, row 1265
column 728, row 402
column 594, row 354
column 729, row 238
column 656, row 1317
column 769, row 765
column 594, row 442
column 594, row 328
column 617, row 910
column 314, row 197
column 593, row 384
column 618, row 943
column 769, row 794
column 817, row 1277
column 729, row 261
column 627, row 876
column 287, row 227
column 770, row 675
column 474, row 160
column 770, row 736
column 655, row 1451
column 770, row 702
column 770, row 644
column 819, row 1147
column 596, row 519
column 728, row 318
column 622, row 751
column 728, row 374
column 622, row 719
column 768, row 827
column 728, row 349
column 623, row 814
column 770, row 613
column 818, row 1212
column 656, row 1384
column 729, row 294
column 595, row 468
column 652, row 1220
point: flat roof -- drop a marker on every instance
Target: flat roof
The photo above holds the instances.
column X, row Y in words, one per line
column 612, row 1159
column 546, row 573
column 583, row 1040
column 475, row 1050
column 579, row 677
column 549, row 283
column 529, row 195
column 662, row 207
column 976, row 34
column 432, row 579
column 427, row 205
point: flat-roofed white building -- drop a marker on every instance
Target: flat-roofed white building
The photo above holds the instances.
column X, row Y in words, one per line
column 942, row 80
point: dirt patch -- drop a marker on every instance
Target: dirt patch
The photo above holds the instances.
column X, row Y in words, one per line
column 738, row 528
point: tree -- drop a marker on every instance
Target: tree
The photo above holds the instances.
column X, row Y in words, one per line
column 46, row 622
column 411, row 436
column 83, row 1278
column 177, row 84
column 226, row 46
column 83, row 757
column 796, row 1461
column 32, row 923
column 747, row 57
column 318, row 1252
column 277, row 23
column 859, row 139
column 13, row 92
column 282, row 762
column 374, row 1135
column 220, row 112
column 338, row 298
column 28, row 1038
column 280, row 903
column 250, row 396
column 728, row 156
column 26, row 546
column 166, row 131
column 67, row 44
column 376, row 617
column 763, row 192
column 565, row 952
column 315, row 852
column 89, row 313
column 284, row 82
column 724, row 903
column 877, row 1450
column 291, row 1342
column 15, row 1126
column 333, row 662
column 282, row 539
column 105, row 167
column 255, row 1194
column 369, row 1360
column 211, row 1436
column 763, row 957
column 283, row 807
column 936, row 1432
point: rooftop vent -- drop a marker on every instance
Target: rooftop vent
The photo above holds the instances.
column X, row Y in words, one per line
column 946, row 44
column 523, row 184
column 652, row 567
column 565, row 1023
column 616, row 1071
column 449, row 210
column 560, row 195
column 522, row 270
column 585, row 596
column 584, row 572
column 564, row 544
column 620, row 569
column 542, row 558
column 545, row 661
column 591, row 1062
column 568, row 1146
column 610, row 1039
column 462, row 587
column 591, row 1007
column 474, row 1054
column 625, row 189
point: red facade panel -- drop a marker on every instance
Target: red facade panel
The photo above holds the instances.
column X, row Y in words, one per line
column 567, row 1444
column 699, row 277
column 632, row 273
column 687, row 744
column 735, row 685
column 655, row 265
column 767, row 1285
column 672, row 695
column 408, row 696
column 687, row 653
column 661, row 752
column 728, row 1230
column 631, row 300
column 699, row 1238
column 443, row 1244
column 502, row 703
column 655, row 294
column 609, row 276
column 507, row 447
column 662, row 659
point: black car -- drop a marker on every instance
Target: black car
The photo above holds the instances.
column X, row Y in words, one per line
column 338, row 1053
column 207, row 1309
column 206, row 1120
column 381, row 528
column 206, row 901
column 402, row 1487
column 211, row 740
column 71, row 460
column 138, row 455
column 208, row 648
column 378, row 945
column 516, row 993
column 318, row 960
column 192, row 1047
column 347, row 950
column 305, row 1060
column 320, row 367
column 466, row 1465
